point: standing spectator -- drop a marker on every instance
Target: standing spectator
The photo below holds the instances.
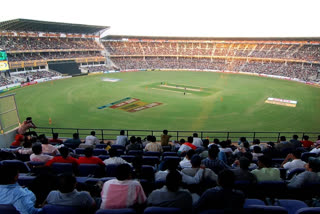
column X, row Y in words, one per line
column 18, row 139
column 165, row 138
column 306, row 142
column 172, row 195
column 27, row 124
column 74, row 142
column 91, row 139
column 223, row 196
column 12, row 193
column 122, row 139
column 265, row 171
column 122, row 192
column 37, row 155
column 153, row 146
column 55, row 139
column 197, row 141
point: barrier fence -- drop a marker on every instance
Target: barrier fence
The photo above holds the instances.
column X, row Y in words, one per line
column 111, row 134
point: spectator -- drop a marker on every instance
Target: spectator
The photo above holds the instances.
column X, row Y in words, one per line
column 133, row 144
column 12, row 193
column 296, row 143
column 306, row 142
column 122, row 192
column 186, row 146
column 256, row 153
column 46, row 147
column 64, row 158
column 37, row 155
column 91, row 139
column 165, row 138
column 256, row 142
column 223, row 196
column 27, row 124
column 74, row 142
column 185, row 163
column 172, row 195
column 55, row 139
column 265, row 171
column 122, row 139
column 19, row 138
column 67, row 195
column 197, row 141
column 153, row 146
column 114, row 159
column 293, row 161
column 89, row 159
column 243, row 173
column 212, row 162
column 317, row 143
column 26, row 149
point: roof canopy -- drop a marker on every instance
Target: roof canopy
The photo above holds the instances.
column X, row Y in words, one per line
column 44, row 26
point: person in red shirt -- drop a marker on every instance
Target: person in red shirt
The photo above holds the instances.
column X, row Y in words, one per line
column 306, row 142
column 89, row 159
column 19, row 138
column 64, row 158
column 55, row 139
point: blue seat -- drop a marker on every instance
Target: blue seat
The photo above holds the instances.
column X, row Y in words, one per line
column 103, row 157
column 215, row 211
column 120, row 152
column 150, row 160
column 22, row 166
column 162, row 210
column 295, row 172
column 25, row 180
column 272, row 189
column 8, row 209
column 59, row 168
column 128, row 158
column 147, row 172
column 135, row 152
column 262, row 209
column 101, row 146
column 305, row 156
column 88, row 170
column 176, row 158
column 33, row 166
column 166, row 148
column 309, row 210
column 118, row 147
column 250, row 201
column 111, row 170
column 164, row 154
column 116, row 211
column 79, row 151
column 291, row 205
column 152, row 154
column 58, row 209
column 97, row 152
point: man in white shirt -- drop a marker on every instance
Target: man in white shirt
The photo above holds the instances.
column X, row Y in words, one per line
column 186, row 162
column 37, row 155
column 114, row 159
column 295, row 162
column 91, row 139
column 197, row 141
column 122, row 139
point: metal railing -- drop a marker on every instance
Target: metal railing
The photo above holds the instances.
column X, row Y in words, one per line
column 111, row 134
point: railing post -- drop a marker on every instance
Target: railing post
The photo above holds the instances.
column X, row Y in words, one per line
column 152, row 133
column 201, row 135
column 127, row 133
column 102, row 138
column 278, row 136
column 228, row 134
column 254, row 136
column 177, row 135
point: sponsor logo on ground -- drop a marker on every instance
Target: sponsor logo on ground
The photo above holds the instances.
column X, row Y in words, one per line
column 283, row 102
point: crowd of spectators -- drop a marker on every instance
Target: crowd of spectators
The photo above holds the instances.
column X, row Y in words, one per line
column 44, row 43
column 98, row 68
column 33, row 75
column 308, row 52
column 5, row 81
column 200, row 174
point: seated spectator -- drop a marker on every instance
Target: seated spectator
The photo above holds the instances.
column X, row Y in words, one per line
column 224, row 148
column 172, row 194
column 122, row 192
column 256, row 153
column 242, row 140
column 223, row 196
column 12, row 193
column 186, row 146
column 27, row 124
column 48, row 148
column 74, row 142
column 37, row 155
column 284, row 147
column 316, row 150
column 185, row 163
column 243, row 173
column 311, row 174
column 18, row 140
column 153, row 146
column 113, row 159
column 89, row 158
column 122, row 139
column 91, row 139
column 165, row 138
column 55, row 139
column 67, row 195
column 197, row 142
column 133, row 144
column 293, row 161
column 26, row 149
column 204, row 153
column 256, row 142
column 306, row 142
column 175, row 145
column 296, row 143
column 317, row 143
column 265, row 171
column 212, row 162
column 242, row 148
column 64, row 158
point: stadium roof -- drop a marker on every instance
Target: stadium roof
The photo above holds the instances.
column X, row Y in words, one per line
column 54, row 27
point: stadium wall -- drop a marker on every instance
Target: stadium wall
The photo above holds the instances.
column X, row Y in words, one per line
column 7, row 138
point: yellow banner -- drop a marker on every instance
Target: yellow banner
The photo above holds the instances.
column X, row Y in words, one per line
column 132, row 106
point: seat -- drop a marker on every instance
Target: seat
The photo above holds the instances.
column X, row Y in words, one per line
column 147, row 172
column 150, row 160
column 116, row 211
column 309, row 210
column 25, row 180
column 164, row 154
column 162, row 210
column 262, row 209
column 118, row 147
column 97, row 152
column 283, row 173
column 22, row 166
column 295, row 172
column 252, row 201
column 88, row 170
column 33, row 166
column 79, row 151
column 101, row 146
column 128, row 158
column 152, row 154
column 272, row 189
column 103, row 157
column 176, row 158
column 166, row 148
column 135, row 152
column 111, row 170
column 59, row 168
column 305, row 156
column 291, row 205
column 8, row 209
column 54, row 209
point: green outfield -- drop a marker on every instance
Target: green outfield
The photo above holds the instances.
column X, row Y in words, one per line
column 185, row 101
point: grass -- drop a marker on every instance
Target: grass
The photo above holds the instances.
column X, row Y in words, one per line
column 226, row 102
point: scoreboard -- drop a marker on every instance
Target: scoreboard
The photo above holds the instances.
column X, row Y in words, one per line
column 4, row 65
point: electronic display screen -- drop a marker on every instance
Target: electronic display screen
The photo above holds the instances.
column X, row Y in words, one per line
column 3, row 56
